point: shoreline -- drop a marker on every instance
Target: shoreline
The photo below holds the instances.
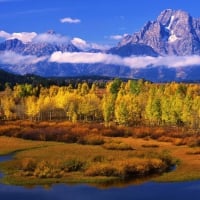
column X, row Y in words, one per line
column 90, row 154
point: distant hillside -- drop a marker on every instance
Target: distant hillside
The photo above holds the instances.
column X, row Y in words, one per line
column 11, row 79
column 163, row 50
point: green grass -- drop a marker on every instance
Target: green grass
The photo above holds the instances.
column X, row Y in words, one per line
column 53, row 162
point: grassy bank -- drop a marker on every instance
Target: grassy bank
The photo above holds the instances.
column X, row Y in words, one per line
column 53, row 162
column 63, row 152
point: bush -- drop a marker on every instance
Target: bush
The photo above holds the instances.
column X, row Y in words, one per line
column 127, row 168
column 139, row 167
column 194, row 152
column 101, row 170
column 98, row 158
column 118, row 146
column 194, row 142
column 45, row 169
column 28, row 164
column 73, row 165
column 150, row 145
column 92, row 140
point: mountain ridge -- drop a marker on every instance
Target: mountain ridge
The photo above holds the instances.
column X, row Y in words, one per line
column 166, row 49
column 174, row 32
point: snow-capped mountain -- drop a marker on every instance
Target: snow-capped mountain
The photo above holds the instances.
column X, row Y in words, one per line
column 165, row 49
column 173, row 33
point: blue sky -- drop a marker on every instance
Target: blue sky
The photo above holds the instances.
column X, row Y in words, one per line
column 92, row 20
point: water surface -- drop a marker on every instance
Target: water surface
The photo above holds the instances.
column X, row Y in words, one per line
column 150, row 191
column 145, row 191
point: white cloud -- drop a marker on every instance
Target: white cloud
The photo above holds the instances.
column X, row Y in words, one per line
column 179, row 61
column 4, row 34
column 80, row 43
column 100, row 46
column 50, row 38
column 117, row 37
column 133, row 61
column 84, row 45
column 12, row 58
column 23, row 36
column 70, row 20
column 83, row 57
column 169, row 61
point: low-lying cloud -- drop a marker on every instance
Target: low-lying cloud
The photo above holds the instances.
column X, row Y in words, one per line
column 84, row 57
column 27, row 37
column 50, row 38
column 12, row 58
column 23, row 36
column 133, row 61
column 80, row 43
column 84, row 45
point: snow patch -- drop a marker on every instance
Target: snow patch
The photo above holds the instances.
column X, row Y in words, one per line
column 172, row 37
column 170, row 23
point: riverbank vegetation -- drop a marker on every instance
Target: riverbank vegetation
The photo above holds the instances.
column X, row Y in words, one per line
column 51, row 162
column 44, row 162
column 90, row 133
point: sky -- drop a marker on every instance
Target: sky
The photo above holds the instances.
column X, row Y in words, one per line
column 101, row 22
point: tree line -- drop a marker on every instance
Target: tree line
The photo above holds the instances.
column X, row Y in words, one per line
column 131, row 103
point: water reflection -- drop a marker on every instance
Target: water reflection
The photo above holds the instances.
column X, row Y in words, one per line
column 136, row 191
column 150, row 191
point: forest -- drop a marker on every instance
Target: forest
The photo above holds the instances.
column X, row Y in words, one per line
column 80, row 132
column 127, row 103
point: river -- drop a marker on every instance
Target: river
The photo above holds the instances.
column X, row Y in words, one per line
column 145, row 191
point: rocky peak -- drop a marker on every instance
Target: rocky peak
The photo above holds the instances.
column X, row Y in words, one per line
column 51, row 32
column 169, row 18
column 165, row 16
column 176, row 22
column 174, row 32
column 12, row 44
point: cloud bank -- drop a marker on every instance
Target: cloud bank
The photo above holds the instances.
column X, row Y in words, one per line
column 23, row 36
column 50, row 38
column 70, row 20
column 84, row 45
column 83, row 57
column 133, row 61
column 80, row 43
column 27, row 37
column 12, row 58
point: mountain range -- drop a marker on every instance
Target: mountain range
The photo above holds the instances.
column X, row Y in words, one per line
column 166, row 49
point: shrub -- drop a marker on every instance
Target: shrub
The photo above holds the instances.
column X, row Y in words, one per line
column 101, row 170
column 150, row 145
column 166, row 158
column 114, row 132
column 45, row 169
column 73, row 165
column 28, row 164
column 92, row 140
column 117, row 146
column 98, row 158
column 194, row 152
column 194, row 142
column 127, row 168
